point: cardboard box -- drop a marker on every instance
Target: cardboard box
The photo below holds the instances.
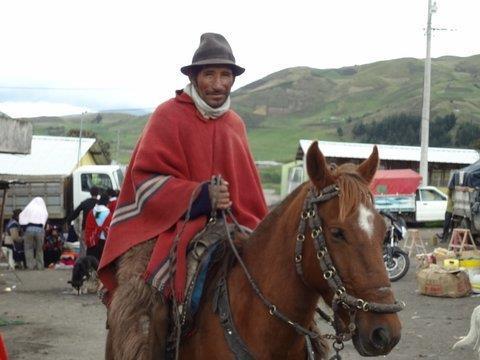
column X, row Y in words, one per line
column 441, row 254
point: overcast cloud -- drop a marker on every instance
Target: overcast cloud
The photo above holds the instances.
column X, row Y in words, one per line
column 100, row 55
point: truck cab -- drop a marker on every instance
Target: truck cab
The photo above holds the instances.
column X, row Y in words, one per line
column 430, row 204
column 102, row 176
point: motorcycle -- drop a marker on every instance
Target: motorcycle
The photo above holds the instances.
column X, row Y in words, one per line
column 396, row 260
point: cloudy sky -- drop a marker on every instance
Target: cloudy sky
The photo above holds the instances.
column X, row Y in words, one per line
column 69, row 56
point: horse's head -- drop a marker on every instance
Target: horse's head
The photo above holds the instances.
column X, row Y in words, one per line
column 348, row 230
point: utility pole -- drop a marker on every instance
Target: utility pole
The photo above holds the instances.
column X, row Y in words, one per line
column 426, row 100
column 80, row 140
column 118, row 147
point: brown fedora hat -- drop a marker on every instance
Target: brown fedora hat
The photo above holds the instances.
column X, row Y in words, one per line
column 213, row 50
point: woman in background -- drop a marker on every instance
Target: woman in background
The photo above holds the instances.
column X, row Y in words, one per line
column 33, row 218
column 97, row 226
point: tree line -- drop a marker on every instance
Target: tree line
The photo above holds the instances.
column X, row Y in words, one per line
column 404, row 129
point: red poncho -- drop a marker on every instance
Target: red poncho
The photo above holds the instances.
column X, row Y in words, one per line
column 177, row 152
column 92, row 232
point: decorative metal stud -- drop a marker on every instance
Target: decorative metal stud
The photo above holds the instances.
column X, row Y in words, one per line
column 340, row 291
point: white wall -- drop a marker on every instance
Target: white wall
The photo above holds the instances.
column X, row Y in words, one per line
column 15, row 136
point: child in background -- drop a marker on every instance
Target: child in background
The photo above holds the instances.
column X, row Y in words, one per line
column 53, row 245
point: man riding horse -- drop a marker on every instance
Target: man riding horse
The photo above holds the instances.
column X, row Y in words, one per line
column 167, row 198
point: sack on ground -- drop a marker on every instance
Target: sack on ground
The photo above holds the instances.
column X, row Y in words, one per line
column 435, row 281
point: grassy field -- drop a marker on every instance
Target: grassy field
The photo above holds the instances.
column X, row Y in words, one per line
column 304, row 103
column 281, row 143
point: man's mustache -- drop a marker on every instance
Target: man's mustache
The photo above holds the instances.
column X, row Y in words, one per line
column 217, row 93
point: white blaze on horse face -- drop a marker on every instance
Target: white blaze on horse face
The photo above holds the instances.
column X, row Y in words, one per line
column 365, row 220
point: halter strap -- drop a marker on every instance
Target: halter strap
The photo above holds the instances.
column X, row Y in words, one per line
column 325, row 261
column 330, row 274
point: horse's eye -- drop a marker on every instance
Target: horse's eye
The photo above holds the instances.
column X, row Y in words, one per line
column 338, row 233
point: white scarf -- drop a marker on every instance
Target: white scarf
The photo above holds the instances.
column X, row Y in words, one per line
column 34, row 213
column 206, row 110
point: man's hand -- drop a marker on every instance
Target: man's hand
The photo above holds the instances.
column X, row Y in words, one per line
column 220, row 196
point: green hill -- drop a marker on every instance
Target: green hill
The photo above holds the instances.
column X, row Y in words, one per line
column 310, row 103
column 303, row 102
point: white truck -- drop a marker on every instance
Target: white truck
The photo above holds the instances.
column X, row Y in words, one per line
column 62, row 193
column 426, row 204
column 401, row 193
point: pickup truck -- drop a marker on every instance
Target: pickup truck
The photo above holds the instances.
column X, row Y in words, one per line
column 428, row 203
column 62, row 193
column 395, row 191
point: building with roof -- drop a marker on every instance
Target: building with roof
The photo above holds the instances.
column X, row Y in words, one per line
column 52, row 155
column 441, row 161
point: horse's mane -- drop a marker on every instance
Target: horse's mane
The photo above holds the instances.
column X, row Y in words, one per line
column 353, row 188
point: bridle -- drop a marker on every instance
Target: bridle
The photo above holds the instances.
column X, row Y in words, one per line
column 341, row 297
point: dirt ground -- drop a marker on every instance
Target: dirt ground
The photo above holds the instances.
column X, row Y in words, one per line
column 51, row 323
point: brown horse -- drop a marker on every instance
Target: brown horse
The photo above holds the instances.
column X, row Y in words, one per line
column 324, row 240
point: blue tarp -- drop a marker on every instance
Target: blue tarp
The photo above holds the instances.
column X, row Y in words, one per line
column 467, row 176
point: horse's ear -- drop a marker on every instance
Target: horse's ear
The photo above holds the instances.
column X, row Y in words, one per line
column 368, row 168
column 317, row 168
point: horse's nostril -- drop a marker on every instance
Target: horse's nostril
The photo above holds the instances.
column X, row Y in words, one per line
column 380, row 338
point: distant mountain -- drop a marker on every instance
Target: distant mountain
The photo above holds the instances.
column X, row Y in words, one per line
column 4, row 116
column 137, row 112
column 118, row 100
column 366, row 91
column 310, row 103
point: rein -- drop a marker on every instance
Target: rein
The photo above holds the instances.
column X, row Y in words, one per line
column 341, row 298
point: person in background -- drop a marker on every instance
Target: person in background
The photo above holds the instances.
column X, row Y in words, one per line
column 448, row 216
column 71, row 236
column 13, row 239
column 96, row 227
column 85, row 207
column 53, row 246
column 113, row 195
column 33, row 218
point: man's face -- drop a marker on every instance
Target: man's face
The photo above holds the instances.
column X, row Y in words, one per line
column 213, row 84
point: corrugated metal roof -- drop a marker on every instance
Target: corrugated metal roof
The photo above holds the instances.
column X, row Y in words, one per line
column 390, row 152
column 50, row 155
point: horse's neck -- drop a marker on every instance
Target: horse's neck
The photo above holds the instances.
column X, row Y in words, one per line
column 269, row 256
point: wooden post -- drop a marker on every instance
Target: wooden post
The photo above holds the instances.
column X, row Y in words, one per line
column 2, row 208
